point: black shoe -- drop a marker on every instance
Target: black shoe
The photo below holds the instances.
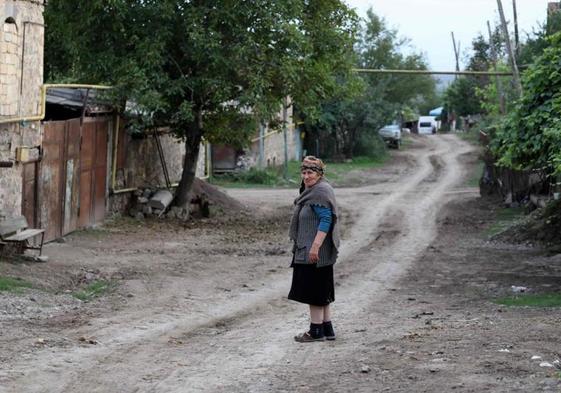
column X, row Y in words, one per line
column 306, row 337
column 328, row 331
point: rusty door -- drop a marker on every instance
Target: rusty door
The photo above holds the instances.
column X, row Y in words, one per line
column 73, row 175
column 29, row 200
column 93, row 172
column 51, row 196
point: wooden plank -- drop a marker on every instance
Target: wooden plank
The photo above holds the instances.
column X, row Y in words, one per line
column 86, row 176
column 12, row 225
column 72, row 181
column 51, row 182
column 100, row 172
column 24, row 235
column 29, row 195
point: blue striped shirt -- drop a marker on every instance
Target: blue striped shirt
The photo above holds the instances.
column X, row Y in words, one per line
column 325, row 217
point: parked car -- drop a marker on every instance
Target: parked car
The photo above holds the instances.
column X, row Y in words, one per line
column 427, row 125
column 391, row 134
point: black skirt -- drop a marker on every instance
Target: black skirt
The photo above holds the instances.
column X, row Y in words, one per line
column 312, row 285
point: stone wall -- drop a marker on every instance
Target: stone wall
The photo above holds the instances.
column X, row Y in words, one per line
column 140, row 165
column 21, row 77
column 273, row 145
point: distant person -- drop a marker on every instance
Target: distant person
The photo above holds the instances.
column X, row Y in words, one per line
column 314, row 229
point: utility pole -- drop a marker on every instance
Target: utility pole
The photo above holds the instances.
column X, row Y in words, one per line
column 285, row 135
column 516, row 37
column 516, row 74
column 497, row 79
column 456, row 52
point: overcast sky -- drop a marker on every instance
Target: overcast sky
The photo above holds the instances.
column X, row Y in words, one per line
column 428, row 23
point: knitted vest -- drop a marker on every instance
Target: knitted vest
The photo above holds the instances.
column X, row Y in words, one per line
column 303, row 228
column 308, row 222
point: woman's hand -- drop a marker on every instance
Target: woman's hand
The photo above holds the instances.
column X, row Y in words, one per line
column 313, row 257
column 314, row 254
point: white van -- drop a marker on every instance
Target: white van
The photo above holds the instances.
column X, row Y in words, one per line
column 427, row 125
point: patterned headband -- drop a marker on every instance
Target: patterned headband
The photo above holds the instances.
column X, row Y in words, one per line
column 312, row 167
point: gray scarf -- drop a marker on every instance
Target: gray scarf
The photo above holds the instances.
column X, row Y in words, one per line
column 321, row 194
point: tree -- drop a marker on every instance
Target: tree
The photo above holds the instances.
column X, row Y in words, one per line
column 203, row 68
column 364, row 103
column 536, row 42
column 530, row 137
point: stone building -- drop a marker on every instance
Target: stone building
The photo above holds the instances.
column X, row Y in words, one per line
column 267, row 148
column 64, row 163
column 59, row 165
column 21, row 77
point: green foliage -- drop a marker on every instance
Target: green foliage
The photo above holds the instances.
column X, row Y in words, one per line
column 475, row 95
column 253, row 176
column 199, row 66
column 348, row 122
column 370, row 145
column 461, row 97
column 273, row 177
column 489, row 97
column 13, row 284
column 530, row 137
column 537, row 41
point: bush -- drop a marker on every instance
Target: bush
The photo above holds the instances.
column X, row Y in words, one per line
column 268, row 176
column 370, row 145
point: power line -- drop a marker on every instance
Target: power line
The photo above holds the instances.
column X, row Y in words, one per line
column 429, row 72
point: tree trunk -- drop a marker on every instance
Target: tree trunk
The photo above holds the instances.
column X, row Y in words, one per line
column 193, row 137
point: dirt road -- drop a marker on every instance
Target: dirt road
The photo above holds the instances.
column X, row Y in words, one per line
column 203, row 308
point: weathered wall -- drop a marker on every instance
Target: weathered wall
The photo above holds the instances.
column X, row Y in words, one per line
column 273, row 145
column 21, row 76
column 139, row 164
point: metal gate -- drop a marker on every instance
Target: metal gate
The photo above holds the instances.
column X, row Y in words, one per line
column 72, row 175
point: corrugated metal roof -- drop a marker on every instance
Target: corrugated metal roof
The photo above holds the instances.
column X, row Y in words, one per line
column 74, row 98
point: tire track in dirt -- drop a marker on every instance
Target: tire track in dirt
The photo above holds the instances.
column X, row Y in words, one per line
column 241, row 340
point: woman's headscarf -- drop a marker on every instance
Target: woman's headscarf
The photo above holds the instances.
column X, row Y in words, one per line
column 314, row 164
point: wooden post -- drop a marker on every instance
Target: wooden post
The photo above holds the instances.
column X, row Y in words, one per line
column 497, row 79
column 516, row 37
column 516, row 74
column 456, row 53
column 285, row 136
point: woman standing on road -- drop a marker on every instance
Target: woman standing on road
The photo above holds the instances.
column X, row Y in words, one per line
column 314, row 230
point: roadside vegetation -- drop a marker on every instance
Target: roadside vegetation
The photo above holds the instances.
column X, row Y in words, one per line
column 347, row 123
column 522, row 128
column 274, row 177
column 94, row 290
column 189, row 58
column 13, row 284
column 532, row 300
column 505, row 218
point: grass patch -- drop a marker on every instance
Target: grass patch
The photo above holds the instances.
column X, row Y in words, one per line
column 95, row 289
column 473, row 181
column 532, row 300
column 338, row 170
column 469, row 136
column 91, row 232
column 13, row 284
column 406, row 140
column 254, row 177
column 505, row 218
column 274, row 177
